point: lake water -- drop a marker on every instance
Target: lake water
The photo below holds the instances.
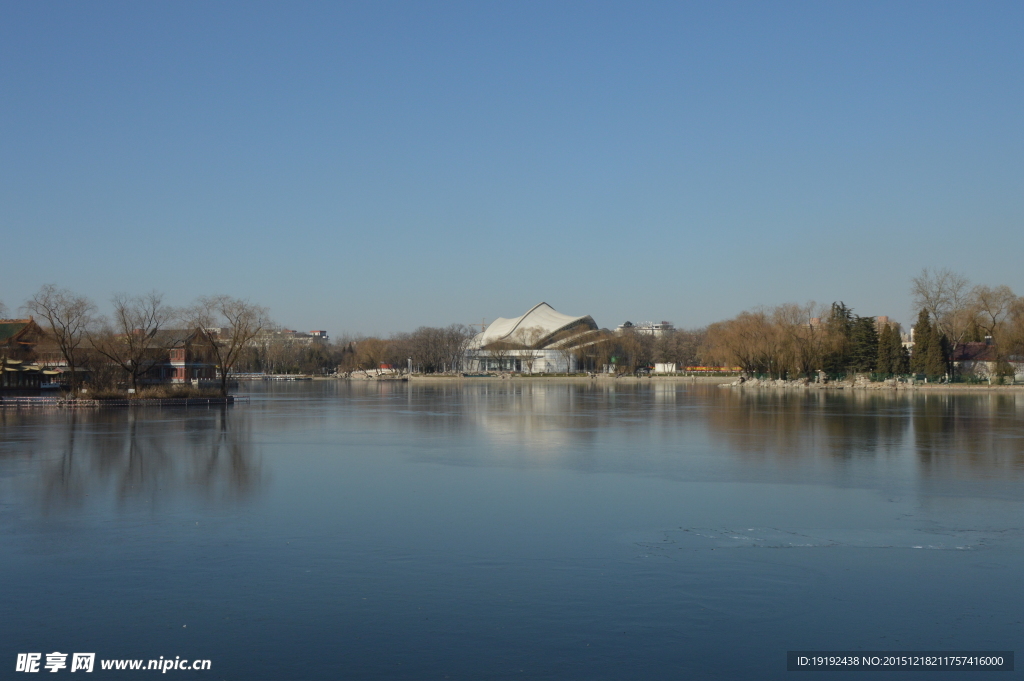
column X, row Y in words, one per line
column 514, row 530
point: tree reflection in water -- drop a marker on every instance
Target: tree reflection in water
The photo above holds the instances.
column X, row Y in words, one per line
column 140, row 455
column 693, row 431
column 947, row 433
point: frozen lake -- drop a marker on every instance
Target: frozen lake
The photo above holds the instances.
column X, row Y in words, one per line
column 514, row 530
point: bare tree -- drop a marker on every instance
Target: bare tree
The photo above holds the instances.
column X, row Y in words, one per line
column 808, row 341
column 131, row 338
column 528, row 338
column 3, row 310
column 227, row 326
column 68, row 317
column 946, row 296
column 371, row 353
column 437, row 349
column 992, row 306
column 500, row 350
column 567, row 345
column 398, row 351
column 456, row 339
column 681, row 347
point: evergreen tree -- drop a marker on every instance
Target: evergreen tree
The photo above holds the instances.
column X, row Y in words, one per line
column 840, row 328
column 922, row 337
column 900, row 356
column 935, row 359
column 886, row 361
column 974, row 333
column 863, row 344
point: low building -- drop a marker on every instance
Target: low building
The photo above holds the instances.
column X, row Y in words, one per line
column 182, row 358
column 982, row 361
column 656, row 329
column 541, row 341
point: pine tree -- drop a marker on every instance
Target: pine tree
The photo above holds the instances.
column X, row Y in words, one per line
column 922, row 337
column 840, row 326
column 864, row 344
column 935, row 359
column 900, row 357
column 885, row 358
column 974, row 333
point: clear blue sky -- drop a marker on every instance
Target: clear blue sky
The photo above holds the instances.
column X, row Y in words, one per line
column 373, row 167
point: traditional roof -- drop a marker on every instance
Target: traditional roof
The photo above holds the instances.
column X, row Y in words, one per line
column 10, row 328
column 975, row 352
column 543, row 318
column 20, row 336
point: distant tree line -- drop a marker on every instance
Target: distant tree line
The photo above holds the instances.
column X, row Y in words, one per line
column 430, row 349
column 786, row 341
column 793, row 341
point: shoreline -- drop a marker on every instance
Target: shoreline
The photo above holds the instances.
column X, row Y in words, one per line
column 725, row 381
column 56, row 402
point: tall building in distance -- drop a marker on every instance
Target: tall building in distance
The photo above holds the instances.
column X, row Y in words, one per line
column 655, row 329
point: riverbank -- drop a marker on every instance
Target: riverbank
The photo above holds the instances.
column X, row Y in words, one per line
column 862, row 384
column 597, row 378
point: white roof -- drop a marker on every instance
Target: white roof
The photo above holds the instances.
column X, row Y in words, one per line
column 541, row 316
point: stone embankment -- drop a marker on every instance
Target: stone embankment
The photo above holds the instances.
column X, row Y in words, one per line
column 864, row 383
column 860, row 382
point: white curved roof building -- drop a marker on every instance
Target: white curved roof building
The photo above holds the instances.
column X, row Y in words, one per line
column 541, row 327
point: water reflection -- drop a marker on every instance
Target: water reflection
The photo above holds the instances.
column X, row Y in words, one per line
column 658, row 427
column 969, row 434
column 67, row 459
column 133, row 456
column 799, row 425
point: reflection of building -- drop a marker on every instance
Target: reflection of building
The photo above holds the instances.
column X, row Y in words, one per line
column 540, row 341
column 655, row 329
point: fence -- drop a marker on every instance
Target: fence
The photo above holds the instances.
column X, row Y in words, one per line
column 144, row 402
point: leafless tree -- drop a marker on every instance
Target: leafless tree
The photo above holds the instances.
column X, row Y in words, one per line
column 992, row 305
column 68, row 317
column 437, row 349
column 371, row 353
column 681, row 347
column 528, row 339
column 426, row 346
column 227, row 326
column 567, row 345
column 753, row 341
column 456, row 339
column 131, row 338
column 808, row 342
column 1009, row 335
column 398, row 351
column 634, row 350
column 500, row 351
column 3, row 310
column 946, row 296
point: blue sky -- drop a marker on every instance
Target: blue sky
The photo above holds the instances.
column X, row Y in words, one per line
column 373, row 167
